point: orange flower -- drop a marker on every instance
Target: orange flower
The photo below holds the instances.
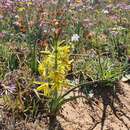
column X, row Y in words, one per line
column 90, row 35
column 55, row 22
column 58, row 32
column 42, row 43
column 22, row 29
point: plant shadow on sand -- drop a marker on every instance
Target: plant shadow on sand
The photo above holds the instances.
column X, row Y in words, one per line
column 110, row 98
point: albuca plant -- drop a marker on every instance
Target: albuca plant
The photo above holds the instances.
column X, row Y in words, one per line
column 53, row 70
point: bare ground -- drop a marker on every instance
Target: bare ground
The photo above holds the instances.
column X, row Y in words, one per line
column 105, row 111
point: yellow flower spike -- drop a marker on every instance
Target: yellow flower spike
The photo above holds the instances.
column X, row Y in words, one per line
column 55, row 77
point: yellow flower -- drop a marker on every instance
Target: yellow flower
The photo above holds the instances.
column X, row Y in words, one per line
column 29, row 3
column 78, row 1
column 42, row 70
column 56, row 77
column 21, row 9
column 45, row 88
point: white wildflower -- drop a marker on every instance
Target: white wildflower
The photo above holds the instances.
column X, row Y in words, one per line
column 90, row 95
column 75, row 38
column 16, row 16
column 105, row 11
column 45, row 31
column 125, row 78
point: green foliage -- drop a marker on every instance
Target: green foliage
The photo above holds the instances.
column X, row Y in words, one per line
column 94, row 51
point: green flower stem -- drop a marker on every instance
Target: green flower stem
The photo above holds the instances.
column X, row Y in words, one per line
column 56, row 51
column 100, row 65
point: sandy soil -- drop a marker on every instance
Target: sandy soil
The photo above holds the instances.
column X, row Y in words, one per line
column 105, row 111
column 102, row 112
